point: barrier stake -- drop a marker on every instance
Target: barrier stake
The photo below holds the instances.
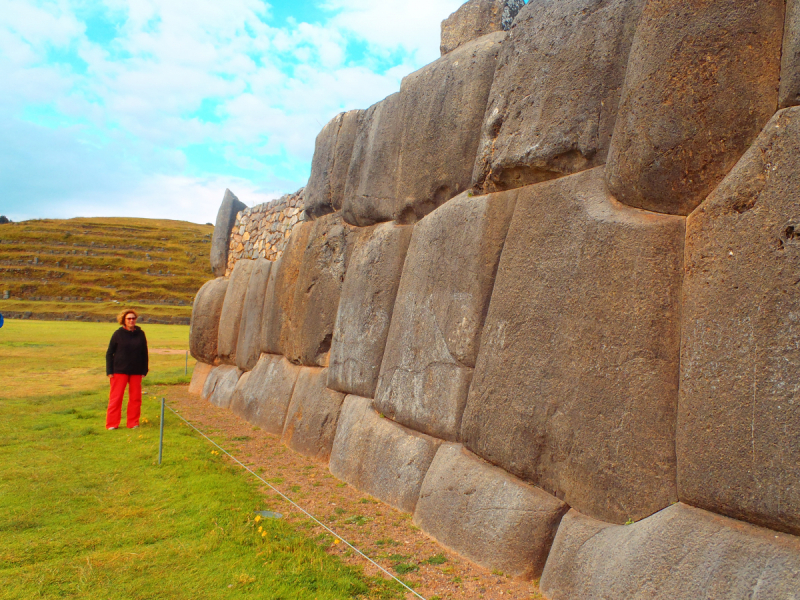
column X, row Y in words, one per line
column 161, row 433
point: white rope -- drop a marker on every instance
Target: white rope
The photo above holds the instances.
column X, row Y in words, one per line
column 300, row 508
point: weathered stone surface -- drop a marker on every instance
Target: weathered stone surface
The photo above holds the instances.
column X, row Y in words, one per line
column 371, row 186
column 739, row 413
column 316, row 295
column 269, row 338
column 475, row 19
column 700, row 85
column 790, row 58
column 264, row 398
column 312, row 415
column 380, row 457
column 438, row 316
column 220, row 384
column 680, row 552
column 365, row 308
column 248, row 346
column 232, row 308
column 226, row 216
column 204, row 327
column 276, row 329
column 334, row 146
column 199, row 376
column 443, row 106
column 555, row 94
column 487, row 515
column 575, row 387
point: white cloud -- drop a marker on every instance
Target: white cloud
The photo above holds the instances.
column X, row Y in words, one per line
column 144, row 96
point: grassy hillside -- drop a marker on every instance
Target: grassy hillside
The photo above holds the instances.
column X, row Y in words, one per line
column 86, row 268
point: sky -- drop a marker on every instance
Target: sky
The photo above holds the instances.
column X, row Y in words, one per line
column 151, row 108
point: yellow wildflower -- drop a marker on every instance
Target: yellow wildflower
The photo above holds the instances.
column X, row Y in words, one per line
column 263, row 534
column 258, row 518
column 337, row 541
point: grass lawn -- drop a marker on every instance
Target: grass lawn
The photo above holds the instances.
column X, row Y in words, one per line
column 89, row 514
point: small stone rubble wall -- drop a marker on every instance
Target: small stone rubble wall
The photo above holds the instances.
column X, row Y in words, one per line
column 262, row 231
column 583, row 365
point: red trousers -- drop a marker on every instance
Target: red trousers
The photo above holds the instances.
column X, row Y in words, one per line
column 118, row 383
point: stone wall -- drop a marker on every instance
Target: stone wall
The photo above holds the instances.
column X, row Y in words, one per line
column 262, row 231
column 583, row 363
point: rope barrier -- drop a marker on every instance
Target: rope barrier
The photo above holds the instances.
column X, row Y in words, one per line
column 298, row 507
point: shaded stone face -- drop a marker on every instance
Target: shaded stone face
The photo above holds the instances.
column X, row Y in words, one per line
column 739, row 414
column 443, row 106
column 438, row 315
column 199, row 376
column 790, row 57
column 371, row 186
column 248, row 346
column 220, row 385
column 264, row 398
column 312, row 415
column 276, row 325
column 232, row 308
column 487, row 515
column 270, row 338
column 226, row 216
column 378, row 456
column 700, row 85
column 308, row 333
column 578, row 362
column 334, row 146
column 680, row 552
column 475, row 19
column 206, row 312
column 365, row 308
column 555, row 93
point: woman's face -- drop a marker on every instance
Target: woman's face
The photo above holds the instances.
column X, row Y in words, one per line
column 130, row 321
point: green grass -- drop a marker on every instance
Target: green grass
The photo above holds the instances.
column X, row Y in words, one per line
column 88, row 513
column 103, row 260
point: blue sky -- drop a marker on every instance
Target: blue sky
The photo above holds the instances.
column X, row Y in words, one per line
column 153, row 107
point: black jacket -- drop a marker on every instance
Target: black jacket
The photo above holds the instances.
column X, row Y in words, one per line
column 127, row 353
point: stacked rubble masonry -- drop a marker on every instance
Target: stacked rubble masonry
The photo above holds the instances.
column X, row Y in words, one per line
column 262, row 231
column 546, row 298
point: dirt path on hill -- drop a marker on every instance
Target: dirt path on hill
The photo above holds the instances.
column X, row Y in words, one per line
column 384, row 534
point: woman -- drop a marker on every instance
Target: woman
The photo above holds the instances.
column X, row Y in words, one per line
column 126, row 364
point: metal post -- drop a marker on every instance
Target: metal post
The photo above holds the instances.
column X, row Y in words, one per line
column 186, row 368
column 161, row 433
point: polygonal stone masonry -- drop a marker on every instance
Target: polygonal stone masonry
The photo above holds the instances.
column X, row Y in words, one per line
column 204, row 326
column 232, row 308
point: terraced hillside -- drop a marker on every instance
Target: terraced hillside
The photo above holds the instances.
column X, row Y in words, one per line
column 85, row 268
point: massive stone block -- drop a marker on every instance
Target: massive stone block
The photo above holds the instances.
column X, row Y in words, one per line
column 220, row 385
column 680, row 552
column 443, row 105
column 487, row 515
column 334, row 146
column 380, row 457
column 371, row 186
column 248, row 346
column 312, row 415
column 365, row 308
column 701, row 83
column 276, row 325
column 789, row 94
column 316, row 297
column 232, row 308
column 436, row 324
column 576, row 383
column 739, row 414
column 475, row 19
column 226, row 217
column 264, row 398
column 270, row 325
column 204, row 327
column 199, row 375
column 554, row 99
